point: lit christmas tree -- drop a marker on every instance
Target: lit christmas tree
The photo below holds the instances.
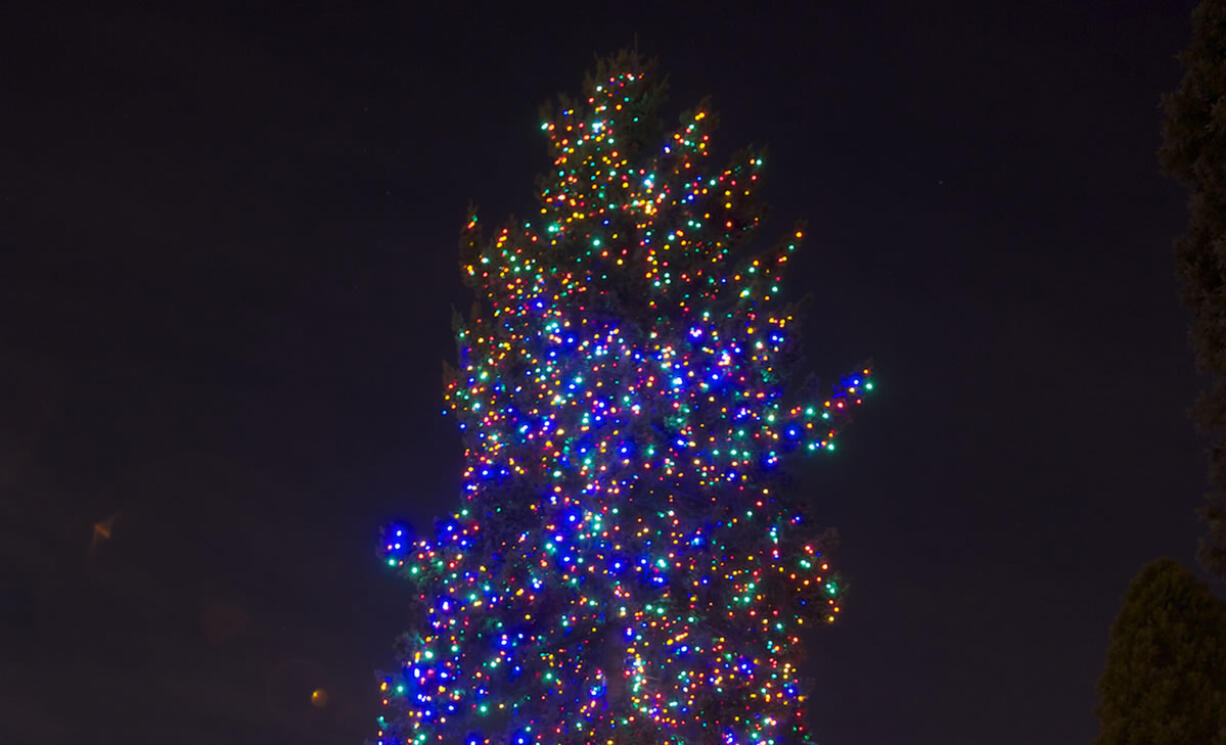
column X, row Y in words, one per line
column 622, row 568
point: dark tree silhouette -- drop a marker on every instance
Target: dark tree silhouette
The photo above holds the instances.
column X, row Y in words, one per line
column 1165, row 679
column 1194, row 151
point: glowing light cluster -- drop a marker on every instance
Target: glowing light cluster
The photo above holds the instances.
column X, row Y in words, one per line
column 622, row 569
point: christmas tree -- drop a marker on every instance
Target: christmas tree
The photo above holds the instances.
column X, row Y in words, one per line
column 623, row 567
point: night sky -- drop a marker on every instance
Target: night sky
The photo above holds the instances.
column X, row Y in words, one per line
column 228, row 266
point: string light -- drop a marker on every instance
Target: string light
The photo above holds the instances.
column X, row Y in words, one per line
column 621, row 569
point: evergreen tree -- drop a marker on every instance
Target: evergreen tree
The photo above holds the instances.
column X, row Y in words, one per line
column 623, row 567
column 1194, row 151
column 1165, row 680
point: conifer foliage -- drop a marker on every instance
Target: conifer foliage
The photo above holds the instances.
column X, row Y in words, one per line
column 622, row 567
column 1194, row 151
column 1165, row 680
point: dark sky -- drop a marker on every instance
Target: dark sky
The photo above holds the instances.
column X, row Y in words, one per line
column 228, row 267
